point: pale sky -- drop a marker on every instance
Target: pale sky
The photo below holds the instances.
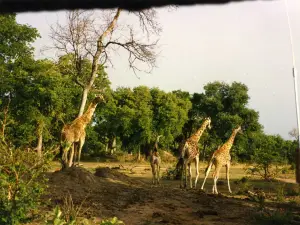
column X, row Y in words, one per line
column 245, row 42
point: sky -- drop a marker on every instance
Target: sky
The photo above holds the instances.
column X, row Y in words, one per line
column 246, row 42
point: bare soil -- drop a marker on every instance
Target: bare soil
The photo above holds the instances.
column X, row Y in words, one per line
column 109, row 192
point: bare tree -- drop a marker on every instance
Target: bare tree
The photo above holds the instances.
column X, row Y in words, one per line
column 96, row 35
column 294, row 133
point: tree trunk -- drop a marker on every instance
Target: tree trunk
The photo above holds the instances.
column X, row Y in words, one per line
column 83, row 101
column 40, row 145
column 298, row 166
column 106, row 148
column 139, row 155
column 114, row 145
column 4, row 122
column 95, row 64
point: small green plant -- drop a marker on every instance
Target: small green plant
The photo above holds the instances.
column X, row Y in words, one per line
column 58, row 218
column 68, row 214
column 112, row 221
column 70, row 211
column 280, row 193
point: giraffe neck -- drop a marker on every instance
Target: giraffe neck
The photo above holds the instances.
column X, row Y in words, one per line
column 87, row 116
column 230, row 141
column 196, row 136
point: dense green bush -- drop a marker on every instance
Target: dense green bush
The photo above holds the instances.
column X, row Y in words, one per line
column 22, row 183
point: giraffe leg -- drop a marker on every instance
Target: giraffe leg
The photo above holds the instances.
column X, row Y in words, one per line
column 216, row 177
column 190, row 176
column 227, row 175
column 186, row 175
column 65, row 163
column 158, row 170
column 206, row 174
column 197, row 170
column 182, row 174
column 81, row 143
column 153, row 173
column 65, row 151
column 71, row 155
column 75, row 153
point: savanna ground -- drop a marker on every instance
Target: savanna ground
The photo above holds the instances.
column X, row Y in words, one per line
column 125, row 190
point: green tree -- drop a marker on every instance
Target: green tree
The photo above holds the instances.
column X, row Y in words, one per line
column 227, row 106
column 267, row 154
column 15, row 51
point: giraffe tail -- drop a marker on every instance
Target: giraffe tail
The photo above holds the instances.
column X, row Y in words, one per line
column 209, row 163
column 179, row 163
column 179, row 168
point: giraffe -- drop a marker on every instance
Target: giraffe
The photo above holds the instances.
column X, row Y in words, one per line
column 221, row 157
column 75, row 133
column 190, row 152
column 155, row 161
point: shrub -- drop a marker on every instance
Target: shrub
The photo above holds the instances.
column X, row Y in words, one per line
column 22, row 183
column 277, row 217
column 243, row 185
column 267, row 156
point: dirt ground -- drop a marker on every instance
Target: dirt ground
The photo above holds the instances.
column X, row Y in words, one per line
column 126, row 191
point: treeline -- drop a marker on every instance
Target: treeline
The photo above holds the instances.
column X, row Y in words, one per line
column 38, row 96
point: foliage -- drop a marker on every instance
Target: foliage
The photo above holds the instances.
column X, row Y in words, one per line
column 276, row 217
column 267, row 156
column 15, row 53
column 136, row 116
column 15, row 40
column 22, row 183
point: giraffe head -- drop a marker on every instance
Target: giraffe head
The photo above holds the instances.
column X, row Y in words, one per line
column 99, row 98
column 238, row 130
column 208, row 121
column 158, row 137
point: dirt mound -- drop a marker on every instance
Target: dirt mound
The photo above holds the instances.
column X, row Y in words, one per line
column 101, row 194
column 73, row 175
column 106, row 172
column 168, row 157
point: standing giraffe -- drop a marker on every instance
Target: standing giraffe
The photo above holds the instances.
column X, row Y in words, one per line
column 221, row 157
column 155, row 161
column 75, row 133
column 190, row 152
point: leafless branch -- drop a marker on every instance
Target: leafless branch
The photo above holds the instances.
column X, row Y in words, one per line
column 85, row 36
column 96, row 36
